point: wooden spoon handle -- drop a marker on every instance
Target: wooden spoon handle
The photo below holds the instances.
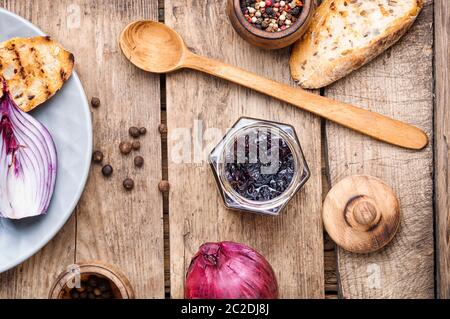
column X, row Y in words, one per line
column 366, row 122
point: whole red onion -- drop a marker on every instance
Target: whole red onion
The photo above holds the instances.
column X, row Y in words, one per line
column 228, row 270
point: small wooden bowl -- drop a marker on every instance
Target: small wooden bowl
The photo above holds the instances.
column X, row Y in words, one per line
column 270, row 40
column 121, row 287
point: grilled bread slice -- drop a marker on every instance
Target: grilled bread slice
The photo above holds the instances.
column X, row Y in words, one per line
column 34, row 69
column 346, row 34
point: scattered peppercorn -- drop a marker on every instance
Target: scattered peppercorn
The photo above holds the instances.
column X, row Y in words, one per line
column 164, row 186
column 93, row 287
column 107, row 170
column 138, row 161
column 97, row 157
column 128, row 184
column 162, row 128
column 271, row 15
column 136, row 145
column 125, row 147
column 142, row 131
column 95, row 102
column 134, row 131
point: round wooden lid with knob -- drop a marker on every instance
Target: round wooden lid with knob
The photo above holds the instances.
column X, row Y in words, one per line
column 361, row 214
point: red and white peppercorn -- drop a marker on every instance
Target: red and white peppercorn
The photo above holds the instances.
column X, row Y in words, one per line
column 272, row 15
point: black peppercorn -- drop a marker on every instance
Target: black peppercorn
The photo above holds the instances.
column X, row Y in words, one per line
column 138, row 161
column 142, row 131
column 97, row 157
column 103, row 285
column 74, row 294
column 95, row 102
column 125, row 147
column 128, row 184
column 136, row 145
column 134, row 131
column 107, row 295
column 92, row 281
column 93, row 287
column 107, row 170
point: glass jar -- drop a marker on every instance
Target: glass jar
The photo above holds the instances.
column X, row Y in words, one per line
column 259, row 166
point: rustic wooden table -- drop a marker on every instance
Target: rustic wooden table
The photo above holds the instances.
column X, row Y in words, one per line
column 151, row 237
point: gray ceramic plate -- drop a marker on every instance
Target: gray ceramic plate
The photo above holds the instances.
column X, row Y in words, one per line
column 67, row 117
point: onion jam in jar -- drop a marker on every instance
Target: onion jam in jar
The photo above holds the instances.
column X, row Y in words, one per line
column 259, row 166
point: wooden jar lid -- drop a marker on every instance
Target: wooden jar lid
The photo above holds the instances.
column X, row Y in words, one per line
column 361, row 214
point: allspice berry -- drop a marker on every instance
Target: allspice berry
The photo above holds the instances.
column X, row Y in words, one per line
column 125, row 147
column 142, row 131
column 164, row 186
column 138, row 161
column 95, row 102
column 136, row 145
column 134, row 131
column 107, row 170
column 162, row 128
column 97, row 157
column 128, row 184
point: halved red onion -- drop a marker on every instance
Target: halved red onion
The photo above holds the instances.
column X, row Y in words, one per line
column 28, row 162
column 229, row 270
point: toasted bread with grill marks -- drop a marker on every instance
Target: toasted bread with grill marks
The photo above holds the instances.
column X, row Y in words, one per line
column 346, row 34
column 34, row 69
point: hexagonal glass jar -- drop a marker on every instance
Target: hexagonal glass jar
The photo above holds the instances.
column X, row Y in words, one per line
column 242, row 130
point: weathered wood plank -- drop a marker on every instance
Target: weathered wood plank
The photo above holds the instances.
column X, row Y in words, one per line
column 442, row 135
column 123, row 228
column 34, row 277
column 398, row 84
column 292, row 242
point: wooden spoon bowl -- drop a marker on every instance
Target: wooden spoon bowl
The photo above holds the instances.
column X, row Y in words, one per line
column 152, row 46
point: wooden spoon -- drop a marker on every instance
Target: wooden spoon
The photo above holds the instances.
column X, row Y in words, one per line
column 154, row 47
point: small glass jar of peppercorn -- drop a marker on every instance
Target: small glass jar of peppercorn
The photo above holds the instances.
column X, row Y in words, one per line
column 259, row 166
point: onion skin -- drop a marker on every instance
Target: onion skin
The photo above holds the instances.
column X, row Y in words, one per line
column 28, row 162
column 229, row 270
